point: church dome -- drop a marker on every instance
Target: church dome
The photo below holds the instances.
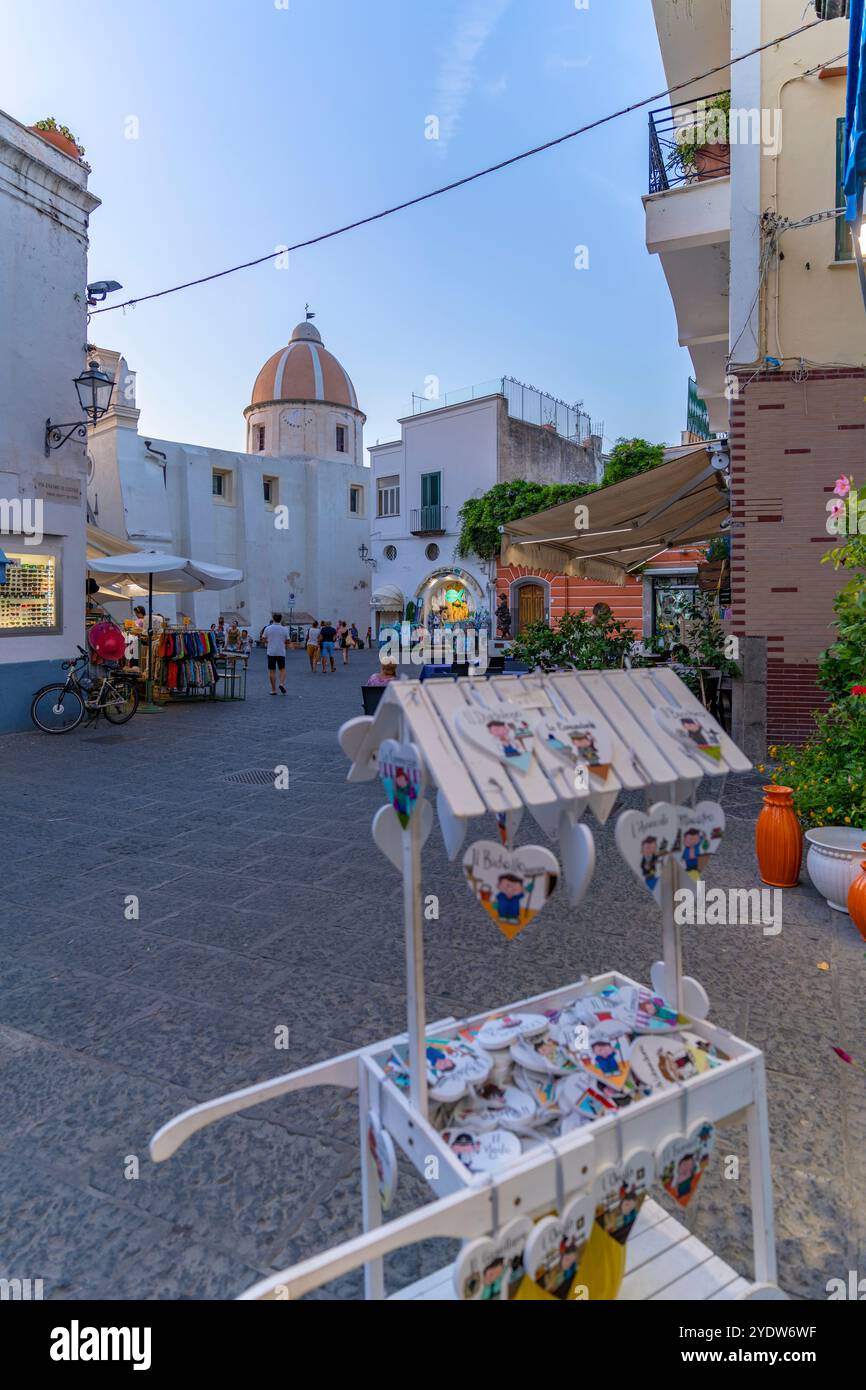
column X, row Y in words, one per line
column 304, row 371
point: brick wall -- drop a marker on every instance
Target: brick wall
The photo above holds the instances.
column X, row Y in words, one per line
column 790, row 440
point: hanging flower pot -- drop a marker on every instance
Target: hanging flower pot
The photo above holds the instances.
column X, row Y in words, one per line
column 58, row 136
column 857, row 900
column 779, row 839
column 711, row 161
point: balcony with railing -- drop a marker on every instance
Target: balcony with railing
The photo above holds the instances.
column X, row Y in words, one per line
column 689, row 143
column 697, row 415
column 428, row 521
column 523, row 403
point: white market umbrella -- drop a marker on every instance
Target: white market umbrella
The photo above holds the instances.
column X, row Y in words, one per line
column 164, row 574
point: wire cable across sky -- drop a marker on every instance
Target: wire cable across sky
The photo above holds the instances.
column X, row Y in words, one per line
column 459, row 183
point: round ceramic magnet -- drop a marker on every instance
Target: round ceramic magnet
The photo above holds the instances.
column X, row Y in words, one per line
column 502, row 1030
column 384, row 1156
column 452, row 1066
column 491, row 1268
column 543, row 1055
column 510, row 1106
column 483, row 1153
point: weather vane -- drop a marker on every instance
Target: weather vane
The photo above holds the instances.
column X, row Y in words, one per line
column 309, row 312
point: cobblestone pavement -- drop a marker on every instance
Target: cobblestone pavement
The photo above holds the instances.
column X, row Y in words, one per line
column 260, row 908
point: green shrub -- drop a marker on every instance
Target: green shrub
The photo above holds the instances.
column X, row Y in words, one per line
column 590, row 645
column 828, row 774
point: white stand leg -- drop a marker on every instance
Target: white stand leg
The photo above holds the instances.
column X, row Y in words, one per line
column 414, row 930
column 672, row 947
column 371, row 1205
column 763, row 1233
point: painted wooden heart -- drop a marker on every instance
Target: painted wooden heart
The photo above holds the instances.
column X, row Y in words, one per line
column 401, row 769
column 577, row 852
column 388, row 832
column 504, row 734
column 491, row 1268
column 701, row 830
column 581, row 742
column 508, row 824
column 645, row 839
column 619, row 1193
column 555, row 1246
column 683, row 1160
column 511, row 885
column 694, row 730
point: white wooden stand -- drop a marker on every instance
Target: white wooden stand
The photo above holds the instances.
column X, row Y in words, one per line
column 664, row 1261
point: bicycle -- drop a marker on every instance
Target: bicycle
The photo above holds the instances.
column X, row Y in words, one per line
column 60, row 708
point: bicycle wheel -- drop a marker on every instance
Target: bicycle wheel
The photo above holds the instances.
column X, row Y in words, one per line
column 126, row 698
column 55, row 709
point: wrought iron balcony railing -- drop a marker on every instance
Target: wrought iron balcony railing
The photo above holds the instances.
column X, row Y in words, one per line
column 679, row 153
column 427, row 521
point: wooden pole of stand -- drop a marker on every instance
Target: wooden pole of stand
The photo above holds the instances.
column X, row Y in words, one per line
column 413, row 921
column 672, row 946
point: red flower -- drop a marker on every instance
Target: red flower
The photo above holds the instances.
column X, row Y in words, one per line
column 858, row 689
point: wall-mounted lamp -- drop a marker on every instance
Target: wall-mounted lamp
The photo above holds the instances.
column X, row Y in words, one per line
column 94, row 388
column 365, row 555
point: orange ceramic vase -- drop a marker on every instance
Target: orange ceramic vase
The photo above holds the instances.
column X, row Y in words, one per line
column 779, row 839
column 857, row 900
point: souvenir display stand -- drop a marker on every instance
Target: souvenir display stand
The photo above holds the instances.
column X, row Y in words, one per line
column 502, row 747
column 183, row 668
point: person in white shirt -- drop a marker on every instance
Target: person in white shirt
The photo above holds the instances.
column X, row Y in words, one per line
column 313, row 636
column 276, row 636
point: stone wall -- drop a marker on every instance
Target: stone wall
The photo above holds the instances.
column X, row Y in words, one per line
column 541, row 455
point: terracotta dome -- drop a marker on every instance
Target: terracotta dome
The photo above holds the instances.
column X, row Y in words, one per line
column 304, row 371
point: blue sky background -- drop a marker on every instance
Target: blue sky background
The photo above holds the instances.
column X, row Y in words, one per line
column 261, row 125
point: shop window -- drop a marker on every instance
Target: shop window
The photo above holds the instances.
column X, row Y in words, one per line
column 674, row 597
column 342, row 440
column 29, row 596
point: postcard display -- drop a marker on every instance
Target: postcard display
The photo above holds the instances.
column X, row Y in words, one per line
column 638, row 1077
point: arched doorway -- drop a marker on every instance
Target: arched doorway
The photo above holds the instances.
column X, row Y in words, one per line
column 528, row 603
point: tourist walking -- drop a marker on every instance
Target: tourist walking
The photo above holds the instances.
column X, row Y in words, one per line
column 345, row 640
column 355, row 638
column 313, row 639
column 328, row 638
column 369, row 638
column 276, row 636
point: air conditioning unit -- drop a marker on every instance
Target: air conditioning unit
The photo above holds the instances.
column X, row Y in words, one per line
column 832, row 9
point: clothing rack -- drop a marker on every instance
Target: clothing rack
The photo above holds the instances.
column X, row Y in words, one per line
column 185, row 663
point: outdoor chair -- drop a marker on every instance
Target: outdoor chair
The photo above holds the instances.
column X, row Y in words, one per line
column 371, row 695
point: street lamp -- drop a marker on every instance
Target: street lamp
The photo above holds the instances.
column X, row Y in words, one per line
column 365, row 555
column 94, row 388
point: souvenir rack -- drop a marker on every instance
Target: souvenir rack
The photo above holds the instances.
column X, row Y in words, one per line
column 187, row 671
column 663, row 1259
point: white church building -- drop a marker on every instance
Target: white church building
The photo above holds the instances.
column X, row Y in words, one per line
column 291, row 512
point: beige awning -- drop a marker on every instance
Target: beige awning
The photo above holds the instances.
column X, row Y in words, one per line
column 682, row 502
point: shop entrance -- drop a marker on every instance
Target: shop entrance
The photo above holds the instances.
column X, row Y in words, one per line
column 530, row 605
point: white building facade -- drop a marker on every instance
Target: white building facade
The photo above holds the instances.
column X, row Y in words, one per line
column 44, row 213
column 446, row 454
column 291, row 512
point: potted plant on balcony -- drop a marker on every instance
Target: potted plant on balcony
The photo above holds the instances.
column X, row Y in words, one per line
column 60, row 136
column 703, row 149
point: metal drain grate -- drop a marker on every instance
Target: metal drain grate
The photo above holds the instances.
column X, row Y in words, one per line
column 252, row 776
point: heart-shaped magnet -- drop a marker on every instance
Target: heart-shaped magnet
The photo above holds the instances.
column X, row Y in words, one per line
column 511, row 885
column 554, row 1248
column 695, row 731
column 645, row 838
column 701, row 828
column 491, row 1268
column 696, row 1003
column 683, row 1160
column 480, row 1152
column 388, row 832
column 619, row 1193
column 384, row 1156
column 580, row 742
column 505, row 735
column 401, row 769
column 577, row 852
column 543, row 1055
column 453, row 827
column 607, row 1059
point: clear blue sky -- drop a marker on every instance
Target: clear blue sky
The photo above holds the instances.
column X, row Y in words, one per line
column 261, row 125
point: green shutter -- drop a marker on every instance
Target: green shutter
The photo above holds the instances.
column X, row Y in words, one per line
column 843, row 235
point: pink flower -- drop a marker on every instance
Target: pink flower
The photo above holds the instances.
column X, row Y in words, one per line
column 837, row 508
column 843, row 487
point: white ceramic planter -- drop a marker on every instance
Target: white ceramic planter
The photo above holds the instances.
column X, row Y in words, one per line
column 833, row 861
